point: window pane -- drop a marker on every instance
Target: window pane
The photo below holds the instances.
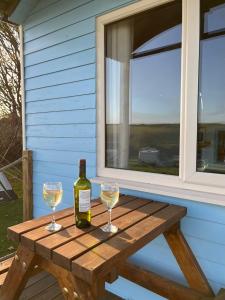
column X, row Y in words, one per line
column 171, row 36
column 143, row 62
column 213, row 13
column 211, row 107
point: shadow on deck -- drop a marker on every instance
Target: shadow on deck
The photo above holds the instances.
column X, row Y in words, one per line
column 43, row 286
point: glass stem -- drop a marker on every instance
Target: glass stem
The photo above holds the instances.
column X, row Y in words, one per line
column 110, row 216
column 53, row 217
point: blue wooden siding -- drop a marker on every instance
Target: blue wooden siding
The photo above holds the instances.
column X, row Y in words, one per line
column 60, row 83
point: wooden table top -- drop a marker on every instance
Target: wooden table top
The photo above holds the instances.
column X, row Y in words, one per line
column 91, row 252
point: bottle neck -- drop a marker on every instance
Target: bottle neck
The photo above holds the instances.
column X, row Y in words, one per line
column 82, row 173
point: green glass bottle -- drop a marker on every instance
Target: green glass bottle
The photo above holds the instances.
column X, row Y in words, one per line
column 82, row 198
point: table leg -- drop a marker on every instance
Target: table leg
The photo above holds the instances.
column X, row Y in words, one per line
column 18, row 274
column 88, row 292
column 72, row 287
column 187, row 261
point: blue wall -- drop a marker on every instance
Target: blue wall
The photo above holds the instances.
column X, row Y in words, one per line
column 59, row 44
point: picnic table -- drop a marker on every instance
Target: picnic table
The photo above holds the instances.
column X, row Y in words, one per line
column 82, row 260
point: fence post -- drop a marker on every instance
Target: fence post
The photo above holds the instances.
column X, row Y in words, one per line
column 27, row 185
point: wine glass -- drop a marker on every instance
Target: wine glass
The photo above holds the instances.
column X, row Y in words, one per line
column 109, row 196
column 52, row 194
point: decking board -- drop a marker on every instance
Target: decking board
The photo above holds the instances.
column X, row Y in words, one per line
column 5, row 264
column 51, row 290
column 43, row 286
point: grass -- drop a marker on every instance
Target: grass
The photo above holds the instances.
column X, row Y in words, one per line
column 135, row 165
column 11, row 212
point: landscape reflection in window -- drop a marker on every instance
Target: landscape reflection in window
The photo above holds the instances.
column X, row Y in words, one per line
column 143, row 69
column 211, row 105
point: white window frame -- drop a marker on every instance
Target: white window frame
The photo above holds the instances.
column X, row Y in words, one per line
column 190, row 184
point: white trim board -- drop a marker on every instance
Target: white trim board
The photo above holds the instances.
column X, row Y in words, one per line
column 177, row 192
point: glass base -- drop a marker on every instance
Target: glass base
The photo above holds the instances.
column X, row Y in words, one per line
column 109, row 228
column 53, row 227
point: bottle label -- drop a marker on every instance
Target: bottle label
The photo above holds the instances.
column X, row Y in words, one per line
column 84, row 200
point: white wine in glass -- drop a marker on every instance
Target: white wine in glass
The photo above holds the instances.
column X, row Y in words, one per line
column 109, row 196
column 52, row 194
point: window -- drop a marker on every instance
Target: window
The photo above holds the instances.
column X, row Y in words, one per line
column 211, row 103
column 143, row 66
column 161, row 95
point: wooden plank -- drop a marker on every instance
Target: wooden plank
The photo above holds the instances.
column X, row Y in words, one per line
column 48, row 293
column 66, row 253
column 18, row 274
column 55, row 52
column 51, row 292
column 157, row 284
column 51, row 12
column 45, row 246
column 14, row 232
column 71, row 286
column 65, row 90
column 108, row 296
column 27, row 185
column 59, row 297
column 28, row 239
column 65, row 34
column 62, row 63
column 60, row 157
column 37, row 288
column 77, row 73
column 67, row 131
column 72, row 103
column 100, row 259
column 35, row 277
column 55, row 169
column 79, row 14
column 70, row 144
column 5, row 264
column 187, row 261
column 2, row 278
column 63, row 117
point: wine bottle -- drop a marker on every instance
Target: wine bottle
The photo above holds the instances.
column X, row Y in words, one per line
column 82, row 198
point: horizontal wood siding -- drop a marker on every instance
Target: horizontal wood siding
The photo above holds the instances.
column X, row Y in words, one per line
column 84, row 57
column 60, row 72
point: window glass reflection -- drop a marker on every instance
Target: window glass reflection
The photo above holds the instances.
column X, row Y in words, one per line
column 211, row 105
column 143, row 62
column 169, row 37
column 213, row 13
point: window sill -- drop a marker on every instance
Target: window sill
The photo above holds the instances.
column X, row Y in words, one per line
column 199, row 193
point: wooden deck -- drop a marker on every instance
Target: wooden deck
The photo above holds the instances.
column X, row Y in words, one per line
column 43, row 286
